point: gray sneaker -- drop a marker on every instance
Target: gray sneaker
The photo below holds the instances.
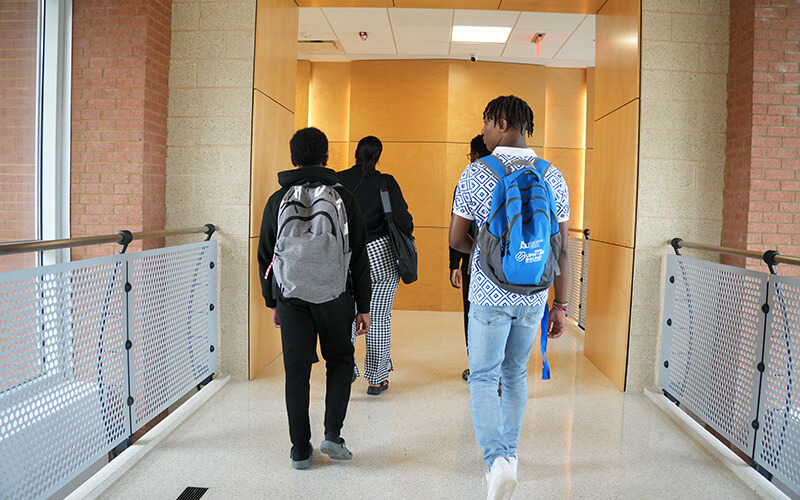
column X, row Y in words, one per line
column 336, row 451
column 302, row 464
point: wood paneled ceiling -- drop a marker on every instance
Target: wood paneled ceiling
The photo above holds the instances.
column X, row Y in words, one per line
column 562, row 6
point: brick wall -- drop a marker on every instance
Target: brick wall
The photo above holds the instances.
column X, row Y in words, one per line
column 762, row 191
column 119, row 118
column 18, row 39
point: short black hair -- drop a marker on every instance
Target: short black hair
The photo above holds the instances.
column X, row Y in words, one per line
column 478, row 146
column 516, row 112
column 308, row 147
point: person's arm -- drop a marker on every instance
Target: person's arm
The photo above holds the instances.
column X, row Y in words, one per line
column 459, row 237
column 400, row 214
column 266, row 250
column 455, row 267
column 359, row 260
column 558, row 318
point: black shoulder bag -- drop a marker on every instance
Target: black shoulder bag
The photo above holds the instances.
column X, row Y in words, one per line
column 404, row 246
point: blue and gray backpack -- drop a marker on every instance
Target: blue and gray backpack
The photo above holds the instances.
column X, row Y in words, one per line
column 520, row 241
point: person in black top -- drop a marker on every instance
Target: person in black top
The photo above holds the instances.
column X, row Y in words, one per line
column 364, row 181
column 459, row 262
column 301, row 321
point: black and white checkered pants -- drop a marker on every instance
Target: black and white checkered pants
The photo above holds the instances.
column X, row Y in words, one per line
column 385, row 279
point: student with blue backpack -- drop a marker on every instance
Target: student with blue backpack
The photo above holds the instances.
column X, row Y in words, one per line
column 314, row 269
column 520, row 205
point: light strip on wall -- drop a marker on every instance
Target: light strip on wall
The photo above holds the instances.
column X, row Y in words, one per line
column 481, row 34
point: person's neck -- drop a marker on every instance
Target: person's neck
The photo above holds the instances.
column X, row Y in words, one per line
column 513, row 141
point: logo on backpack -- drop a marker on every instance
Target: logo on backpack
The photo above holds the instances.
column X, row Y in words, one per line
column 520, row 242
column 312, row 247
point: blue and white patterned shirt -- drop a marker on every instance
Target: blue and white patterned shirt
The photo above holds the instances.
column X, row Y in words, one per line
column 473, row 201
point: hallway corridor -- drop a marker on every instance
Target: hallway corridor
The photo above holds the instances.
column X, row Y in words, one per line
column 581, row 439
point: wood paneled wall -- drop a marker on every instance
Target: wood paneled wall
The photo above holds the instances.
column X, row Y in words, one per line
column 425, row 112
column 617, row 59
column 611, row 187
column 273, row 124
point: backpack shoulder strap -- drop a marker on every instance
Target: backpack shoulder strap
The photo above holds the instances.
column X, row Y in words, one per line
column 498, row 168
column 387, row 205
column 542, row 166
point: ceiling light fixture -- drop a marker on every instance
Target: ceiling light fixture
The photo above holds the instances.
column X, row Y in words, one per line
column 480, row 34
column 363, row 35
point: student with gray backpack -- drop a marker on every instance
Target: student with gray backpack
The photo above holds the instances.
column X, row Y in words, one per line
column 314, row 269
column 520, row 205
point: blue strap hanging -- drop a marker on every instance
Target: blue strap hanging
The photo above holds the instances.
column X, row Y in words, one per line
column 545, row 324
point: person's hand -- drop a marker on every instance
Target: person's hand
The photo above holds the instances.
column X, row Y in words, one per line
column 275, row 320
column 455, row 278
column 362, row 323
column 558, row 321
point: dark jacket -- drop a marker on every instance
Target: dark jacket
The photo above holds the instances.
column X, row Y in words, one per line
column 359, row 262
column 367, row 192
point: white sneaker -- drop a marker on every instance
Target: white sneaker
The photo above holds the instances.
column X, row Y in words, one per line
column 513, row 462
column 502, row 480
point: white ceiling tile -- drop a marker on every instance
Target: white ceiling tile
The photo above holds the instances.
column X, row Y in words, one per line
column 588, row 25
column 422, row 33
column 342, row 16
column 423, row 48
column 579, row 46
column 369, row 47
column 421, row 17
column 526, row 35
column 485, row 49
column 425, row 33
column 316, row 32
column 546, row 21
column 573, row 53
column 311, row 15
column 571, row 63
column 373, row 35
column 485, row 18
column 529, row 50
column 581, row 39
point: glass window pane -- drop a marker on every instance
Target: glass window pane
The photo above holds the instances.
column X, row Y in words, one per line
column 18, row 91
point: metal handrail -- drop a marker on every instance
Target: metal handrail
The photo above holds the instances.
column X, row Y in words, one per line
column 123, row 238
column 770, row 257
column 585, row 232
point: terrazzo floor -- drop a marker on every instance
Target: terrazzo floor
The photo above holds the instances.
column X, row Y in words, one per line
column 581, row 438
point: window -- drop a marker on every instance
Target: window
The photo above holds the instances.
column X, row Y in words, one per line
column 34, row 125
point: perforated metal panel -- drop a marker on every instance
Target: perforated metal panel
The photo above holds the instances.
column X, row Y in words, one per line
column 575, row 278
column 63, row 382
column 712, row 341
column 172, row 322
column 584, row 283
column 778, row 443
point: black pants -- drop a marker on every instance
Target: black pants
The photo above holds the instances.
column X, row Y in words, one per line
column 465, row 297
column 300, row 323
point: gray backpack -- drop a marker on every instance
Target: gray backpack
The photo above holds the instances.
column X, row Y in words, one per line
column 312, row 247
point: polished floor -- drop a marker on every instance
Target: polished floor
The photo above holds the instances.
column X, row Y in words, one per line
column 581, row 439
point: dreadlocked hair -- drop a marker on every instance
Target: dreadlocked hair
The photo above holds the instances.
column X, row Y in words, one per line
column 516, row 112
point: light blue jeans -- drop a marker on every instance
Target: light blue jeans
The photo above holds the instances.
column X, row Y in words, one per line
column 500, row 341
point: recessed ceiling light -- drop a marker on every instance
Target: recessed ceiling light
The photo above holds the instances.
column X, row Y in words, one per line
column 481, row 34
